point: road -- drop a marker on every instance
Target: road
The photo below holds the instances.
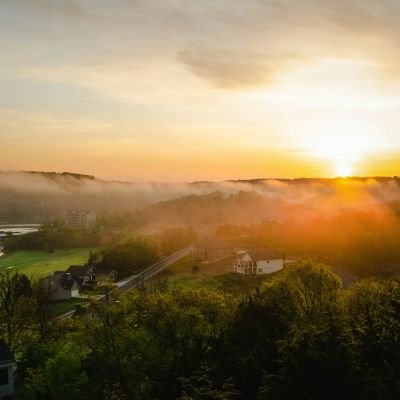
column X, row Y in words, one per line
column 136, row 280
column 148, row 273
column 347, row 279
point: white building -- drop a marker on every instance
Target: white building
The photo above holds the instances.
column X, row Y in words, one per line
column 258, row 262
column 7, row 366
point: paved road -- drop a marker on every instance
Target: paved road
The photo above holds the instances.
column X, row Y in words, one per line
column 136, row 280
column 347, row 279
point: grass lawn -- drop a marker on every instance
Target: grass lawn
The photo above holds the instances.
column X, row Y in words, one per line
column 63, row 306
column 219, row 275
column 37, row 264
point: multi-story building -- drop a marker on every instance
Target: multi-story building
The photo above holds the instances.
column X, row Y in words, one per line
column 80, row 218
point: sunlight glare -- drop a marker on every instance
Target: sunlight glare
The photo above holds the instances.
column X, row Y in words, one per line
column 343, row 170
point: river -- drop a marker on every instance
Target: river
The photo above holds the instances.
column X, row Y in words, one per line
column 16, row 229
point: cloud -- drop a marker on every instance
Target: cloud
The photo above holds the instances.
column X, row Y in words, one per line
column 231, row 44
column 234, row 69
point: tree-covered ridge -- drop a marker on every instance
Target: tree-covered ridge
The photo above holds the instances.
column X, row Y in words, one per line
column 32, row 197
column 299, row 335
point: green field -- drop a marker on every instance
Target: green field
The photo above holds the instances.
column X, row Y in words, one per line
column 37, row 264
column 191, row 273
column 64, row 306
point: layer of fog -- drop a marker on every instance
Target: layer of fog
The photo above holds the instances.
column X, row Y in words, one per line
column 317, row 192
column 296, row 191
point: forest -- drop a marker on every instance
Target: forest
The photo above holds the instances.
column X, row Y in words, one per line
column 299, row 335
column 362, row 242
column 43, row 197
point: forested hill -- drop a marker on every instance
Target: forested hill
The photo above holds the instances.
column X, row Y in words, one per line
column 41, row 196
column 252, row 202
column 29, row 197
column 218, row 208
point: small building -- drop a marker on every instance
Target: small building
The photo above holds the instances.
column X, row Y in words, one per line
column 7, row 366
column 64, row 285
column 259, row 262
column 83, row 274
column 80, row 218
column 212, row 249
column 104, row 276
column 59, row 287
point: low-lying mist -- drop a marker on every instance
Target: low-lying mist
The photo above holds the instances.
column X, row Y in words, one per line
column 39, row 197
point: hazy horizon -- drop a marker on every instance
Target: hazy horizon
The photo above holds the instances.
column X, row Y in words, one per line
column 194, row 181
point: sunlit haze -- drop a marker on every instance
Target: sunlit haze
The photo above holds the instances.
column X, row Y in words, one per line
column 171, row 90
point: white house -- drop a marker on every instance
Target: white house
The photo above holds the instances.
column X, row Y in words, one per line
column 258, row 262
column 7, row 365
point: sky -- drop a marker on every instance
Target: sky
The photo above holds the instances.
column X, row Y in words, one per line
column 182, row 90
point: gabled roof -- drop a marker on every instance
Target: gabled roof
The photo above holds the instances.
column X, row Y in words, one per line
column 212, row 243
column 57, row 275
column 78, row 270
column 100, row 271
column 5, row 354
column 263, row 254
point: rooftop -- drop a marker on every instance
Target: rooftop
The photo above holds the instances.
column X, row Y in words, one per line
column 5, row 354
column 262, row 254
column 213, row 243
column 78, row 270
column 102, row 271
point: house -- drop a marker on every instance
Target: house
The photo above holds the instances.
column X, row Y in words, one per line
column 83, row 274
column 80, row 218
column 7, row 366
column 212, row 249
column 59, row 287
column 105, row 276
column 64, row 285
column 258, row 262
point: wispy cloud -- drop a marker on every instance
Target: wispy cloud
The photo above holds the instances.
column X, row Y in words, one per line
column 234, row 69
column 232, row 44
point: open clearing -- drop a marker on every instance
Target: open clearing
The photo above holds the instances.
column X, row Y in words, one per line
column 37, row 264
column 189, row 272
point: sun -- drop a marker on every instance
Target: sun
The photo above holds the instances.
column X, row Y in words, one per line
column 343, row 170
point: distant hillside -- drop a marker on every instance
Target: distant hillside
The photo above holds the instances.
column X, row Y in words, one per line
column 42, row 196
column 217, row 208
column 31, row 196
column 254, row 201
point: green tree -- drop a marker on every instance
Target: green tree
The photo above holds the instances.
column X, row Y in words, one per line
column 373, row 311
column 15, row 296
column 129, row 257
column 60, row 378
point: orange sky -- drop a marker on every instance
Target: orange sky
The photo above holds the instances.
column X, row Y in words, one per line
column 170, row 90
